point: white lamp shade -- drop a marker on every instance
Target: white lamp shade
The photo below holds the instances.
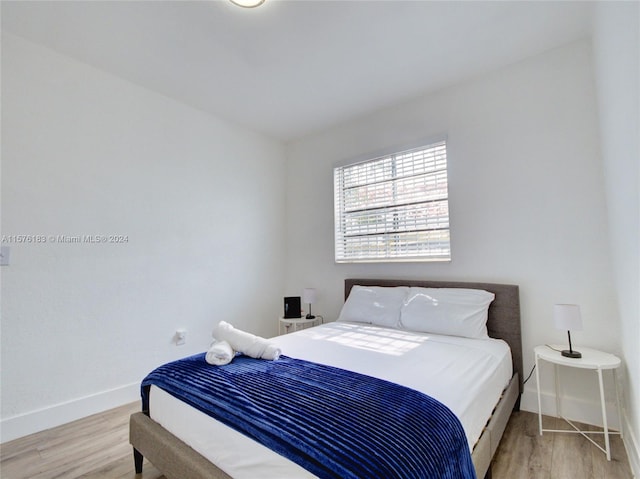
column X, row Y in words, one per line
column 309, row 295
column 567, row 317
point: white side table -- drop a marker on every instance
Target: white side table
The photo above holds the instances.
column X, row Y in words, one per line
column 294, row 324
column 591, row 359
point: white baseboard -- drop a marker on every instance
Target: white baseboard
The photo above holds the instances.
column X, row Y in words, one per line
column 632, row 446
column 46, row 418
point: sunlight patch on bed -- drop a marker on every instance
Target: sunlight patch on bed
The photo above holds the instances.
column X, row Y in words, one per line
column 385, row 341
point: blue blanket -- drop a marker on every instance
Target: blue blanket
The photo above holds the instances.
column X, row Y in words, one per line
column 332, row 422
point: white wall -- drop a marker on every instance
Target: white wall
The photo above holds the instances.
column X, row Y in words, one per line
column 527, row 200
column 617, row 66
column 200, row 200
column 84, row 152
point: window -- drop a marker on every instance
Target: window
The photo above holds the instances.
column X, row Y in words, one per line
column 393, row 208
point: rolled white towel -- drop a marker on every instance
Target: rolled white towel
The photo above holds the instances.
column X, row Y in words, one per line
column 246, row 343
column 220, row 353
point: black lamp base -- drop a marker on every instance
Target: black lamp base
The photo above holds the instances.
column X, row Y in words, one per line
column 310, row 316
column 571, row 354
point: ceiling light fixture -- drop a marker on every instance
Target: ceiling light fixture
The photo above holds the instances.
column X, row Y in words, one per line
column 247, row 3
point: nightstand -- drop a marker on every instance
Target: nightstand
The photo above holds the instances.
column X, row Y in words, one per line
column 591, row 359
column 294, row 324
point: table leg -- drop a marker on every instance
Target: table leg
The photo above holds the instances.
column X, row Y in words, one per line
column 604, row 416
column 539, row 401
column 556, row 374
column 618, row 401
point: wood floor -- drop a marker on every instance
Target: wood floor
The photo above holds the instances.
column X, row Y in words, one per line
column 97, row 447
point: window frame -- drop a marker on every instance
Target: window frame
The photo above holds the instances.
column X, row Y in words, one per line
column 431, row 244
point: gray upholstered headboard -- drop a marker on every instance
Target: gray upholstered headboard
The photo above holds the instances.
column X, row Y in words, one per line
column 504, row 311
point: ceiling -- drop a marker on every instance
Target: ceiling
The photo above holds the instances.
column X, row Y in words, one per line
column 289, row 68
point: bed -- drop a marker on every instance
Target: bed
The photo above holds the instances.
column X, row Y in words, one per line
column 176, row 459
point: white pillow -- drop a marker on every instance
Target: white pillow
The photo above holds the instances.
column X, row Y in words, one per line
column 450, row 311
column 374, row 305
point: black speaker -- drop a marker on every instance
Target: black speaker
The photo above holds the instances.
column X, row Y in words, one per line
column 292, row 307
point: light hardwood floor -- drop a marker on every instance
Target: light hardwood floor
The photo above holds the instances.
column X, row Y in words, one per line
column 98, row 448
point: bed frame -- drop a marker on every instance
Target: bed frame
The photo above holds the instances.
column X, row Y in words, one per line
column 176, row 460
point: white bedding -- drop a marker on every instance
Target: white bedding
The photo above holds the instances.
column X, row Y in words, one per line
column 467, row 375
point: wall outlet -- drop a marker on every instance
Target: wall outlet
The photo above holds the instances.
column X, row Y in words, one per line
column 180, row 337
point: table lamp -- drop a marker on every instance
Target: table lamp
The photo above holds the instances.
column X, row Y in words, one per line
column 567, row 316
column 309, row 296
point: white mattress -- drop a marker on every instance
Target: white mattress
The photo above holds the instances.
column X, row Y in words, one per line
column 467, row 375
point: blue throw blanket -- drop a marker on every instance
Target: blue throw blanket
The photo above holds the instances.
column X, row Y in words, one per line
column 332, row 422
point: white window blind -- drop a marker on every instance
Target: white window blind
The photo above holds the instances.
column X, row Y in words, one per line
column 393, row 208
